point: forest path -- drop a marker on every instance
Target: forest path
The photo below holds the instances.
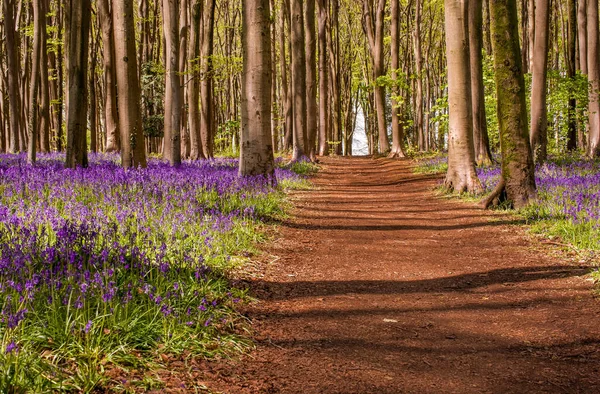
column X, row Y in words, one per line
column 381, row 287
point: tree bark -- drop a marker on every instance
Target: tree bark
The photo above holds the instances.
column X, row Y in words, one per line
column 193, row 91
column 582, row 35
column 517, row 160
column 39, row 19
column 298, row 80
column 571, row 72
column 12, row 60
column 256, row 153
column 418, row 61
column 397, row 128
column 483, row 154
column 77, row 22
column 373, row 21
column 172, row 139
column 323, row 79
column 44, row 125
column 133, row 152
column 539, row 108
column 111, row 120
column 461, row 175
column 593, row 57
column 310, row 36
column 207, row 126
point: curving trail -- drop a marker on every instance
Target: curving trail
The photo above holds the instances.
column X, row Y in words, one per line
column 381, row 287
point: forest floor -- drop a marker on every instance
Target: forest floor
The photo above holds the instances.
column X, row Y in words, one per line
column 375, row 285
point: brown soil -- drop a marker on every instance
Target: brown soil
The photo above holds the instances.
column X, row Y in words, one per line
column 381, row 287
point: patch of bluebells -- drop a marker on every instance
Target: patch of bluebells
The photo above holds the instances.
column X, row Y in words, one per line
column 568, row 191
column 93, row 247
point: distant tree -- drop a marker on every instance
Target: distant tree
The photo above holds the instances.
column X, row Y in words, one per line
column 77, row 24
column 207, row 122
column 324, row 116
column 461, row 175
column 517, row 185
column 193, row 90
column 39, row 23
column 373, row 22
column 310, row 36
column 256, row 153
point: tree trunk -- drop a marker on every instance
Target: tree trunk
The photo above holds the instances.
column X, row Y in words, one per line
column 256, row 151
column 133, row 153
column 193, row 90
column 310, row 36
column 594, row 78
column 111, row 120
column 571, row 72
column 397, row 128
column 44, row 125
column 483, row 154
column 77, row 23
column 373, row 21
column 172, row 139
column 582, row 35
column 461, row 175
column 539, row 108
column 207, row 126
column 518, row 180
column 418, row 61
column 323, row 79
column 14, row 99
column 184, row 75
column 39, row 19
column 298, row 80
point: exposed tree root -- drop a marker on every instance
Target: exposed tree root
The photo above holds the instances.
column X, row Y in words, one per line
column 496, row 197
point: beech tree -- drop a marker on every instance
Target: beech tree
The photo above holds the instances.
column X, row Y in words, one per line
column 373, row 21
column 517, row 185
column 77, row 21
column 172, row 140
column 539, row 107
column 397, row 127
column 300, row 139
column 593, row 66
column 256, row 151
column 133, row 153
column 461, row 175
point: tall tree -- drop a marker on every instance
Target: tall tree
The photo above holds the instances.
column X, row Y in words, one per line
column 593, row 56
column 483, row 154
column 298, row 54
column 207, row 123
column 111, row 120
column 373, row 21
column 77, row 22
column 256, row 151
column 539, row 107
column 133, row 153
column 14, row 100
column 38, row 25
column 397, row 126
column 518, row 180
column 172, row 139
column 418, row 61
column 324, row 117
column 571, row 72
column 310, row 36
column 193, row 90
column 461, row 175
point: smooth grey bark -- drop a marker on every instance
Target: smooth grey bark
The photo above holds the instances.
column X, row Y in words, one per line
column 172, row 139
column 256, row 151
column 483, row 154
column 310, row 37
column 397, row 127
column 77, row 26
column 461, row 175
column 193, row 90
column 13, row 64
column 324, row 117
column 539, row 109
column 300, row 138
column 38, row 24
column 133, row 152
column 593, row 57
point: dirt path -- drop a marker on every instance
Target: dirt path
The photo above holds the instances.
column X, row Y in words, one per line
column 380, row 287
